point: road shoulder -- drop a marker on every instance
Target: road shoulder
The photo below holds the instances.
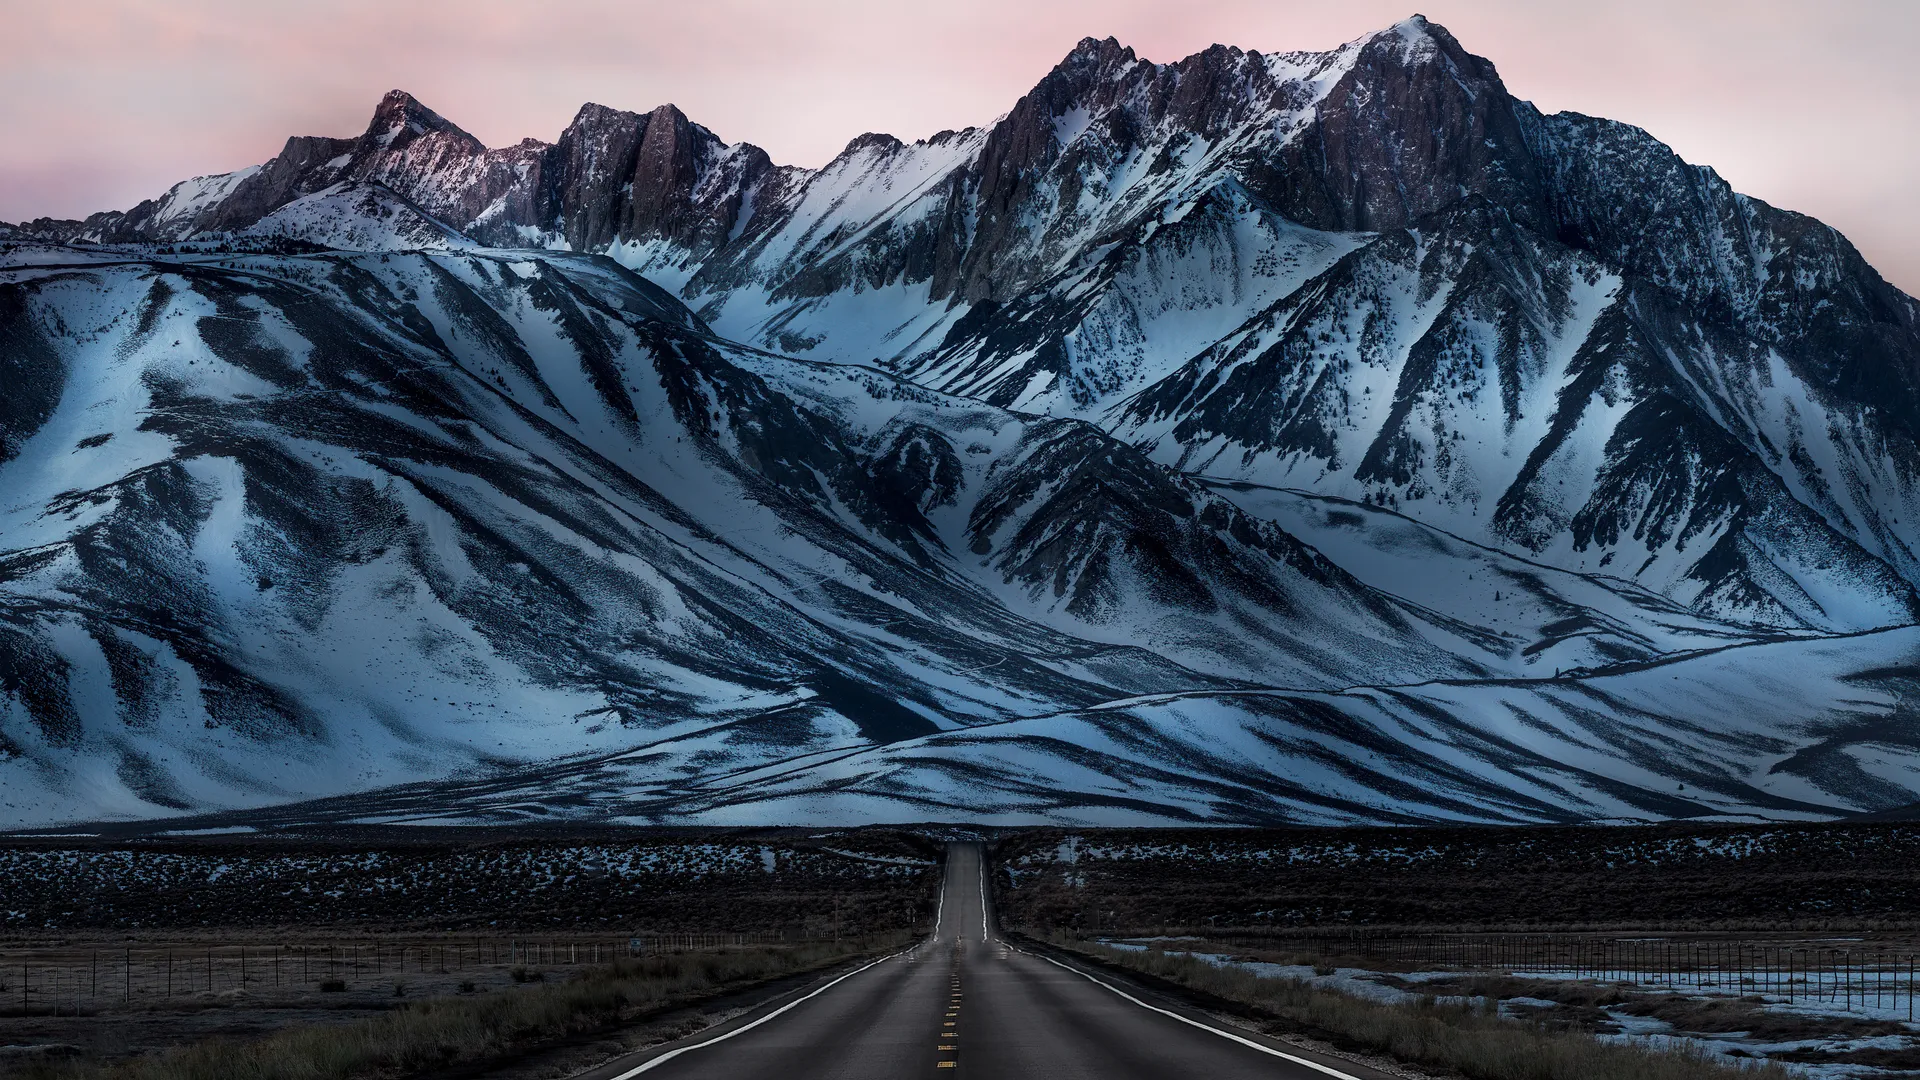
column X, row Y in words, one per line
column 608, row 1052
column 1319, row 1049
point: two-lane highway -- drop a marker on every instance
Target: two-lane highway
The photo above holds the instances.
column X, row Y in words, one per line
column 965, row 1002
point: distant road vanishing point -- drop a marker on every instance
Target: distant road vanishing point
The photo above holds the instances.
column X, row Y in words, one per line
column 968, row 1000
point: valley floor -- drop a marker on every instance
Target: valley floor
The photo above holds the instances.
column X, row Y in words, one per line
column 1793, row 943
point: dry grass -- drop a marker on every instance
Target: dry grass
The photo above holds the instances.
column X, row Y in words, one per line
column 431, row 1034
column 1725, row 1015
column 1462, row 1039
column 1566, row 992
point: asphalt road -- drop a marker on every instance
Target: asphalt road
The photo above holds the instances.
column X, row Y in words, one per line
column 965, row 1003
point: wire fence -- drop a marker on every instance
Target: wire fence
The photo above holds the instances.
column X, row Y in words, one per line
column 56, row 979
column 1883, row 978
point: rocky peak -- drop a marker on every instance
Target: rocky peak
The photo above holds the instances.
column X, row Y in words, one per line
column 1078, row 76
column 594, row 116
column 631, row 176
column 1415, row 123
column 594, row 160
column 878, row 142
column 666, row 169
column 400, row 118
column 1414, row 40
column 1098, row 54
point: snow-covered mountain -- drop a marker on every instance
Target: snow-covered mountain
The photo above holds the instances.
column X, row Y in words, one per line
column 1323, row 436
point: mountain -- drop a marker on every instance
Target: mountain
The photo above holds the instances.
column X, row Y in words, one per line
column 1307, row 436
column 281, row 524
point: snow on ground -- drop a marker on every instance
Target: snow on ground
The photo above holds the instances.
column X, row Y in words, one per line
column 1732, row 1047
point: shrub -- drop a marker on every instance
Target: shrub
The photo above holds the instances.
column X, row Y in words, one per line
column 431, row 1034
column 1479, row 1045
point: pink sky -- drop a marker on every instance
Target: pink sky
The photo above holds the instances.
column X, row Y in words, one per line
column 1810, row 105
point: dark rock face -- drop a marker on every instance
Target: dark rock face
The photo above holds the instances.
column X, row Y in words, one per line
column 596, row 156
column 32, row 370
column 664, row 173
column 292, row 173
column 1416, row 124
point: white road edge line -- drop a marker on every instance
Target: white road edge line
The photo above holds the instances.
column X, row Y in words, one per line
column 940, row 910
column 983, row 901
column 1314, row 1065
column 671, row 1054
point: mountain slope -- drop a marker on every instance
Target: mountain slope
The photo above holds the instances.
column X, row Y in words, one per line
column 1371, row 271
column 1341, row 396
column 287, row 525
column 1798, row 730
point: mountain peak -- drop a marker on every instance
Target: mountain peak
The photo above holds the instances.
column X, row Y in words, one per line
column 1098, row 52
column 872, row 140
column 1414, row 40
column 401, row 115
column 592, row 112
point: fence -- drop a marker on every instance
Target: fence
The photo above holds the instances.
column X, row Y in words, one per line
column 58, row 979
column 1853, row 975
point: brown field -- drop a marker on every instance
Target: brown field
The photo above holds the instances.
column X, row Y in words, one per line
column 112, row 949
column 532, row 1022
